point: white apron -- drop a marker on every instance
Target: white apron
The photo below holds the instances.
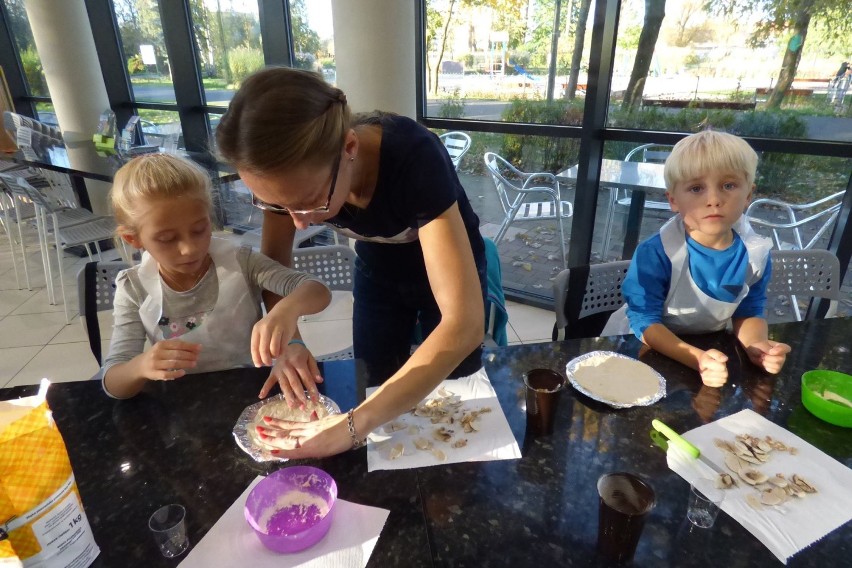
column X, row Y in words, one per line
column 687, row 308
column 225, row 334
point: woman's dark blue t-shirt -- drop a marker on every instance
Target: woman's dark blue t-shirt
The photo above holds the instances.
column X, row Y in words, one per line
column 416, row 183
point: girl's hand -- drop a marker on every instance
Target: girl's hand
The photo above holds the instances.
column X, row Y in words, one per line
column 315, row 439
column 713, row 368
column 169, row 359
column 295, row 371
column 768, row 354
column 271, row 334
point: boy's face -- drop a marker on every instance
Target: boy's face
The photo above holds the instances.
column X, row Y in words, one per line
column 710, row 204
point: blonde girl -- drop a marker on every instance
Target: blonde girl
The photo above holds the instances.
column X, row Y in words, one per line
column 195, row 298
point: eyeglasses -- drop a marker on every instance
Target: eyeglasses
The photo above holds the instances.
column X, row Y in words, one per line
column 279, row 210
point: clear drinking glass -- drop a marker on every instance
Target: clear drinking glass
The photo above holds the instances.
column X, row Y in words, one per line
column 704, row 500
column 168, row 526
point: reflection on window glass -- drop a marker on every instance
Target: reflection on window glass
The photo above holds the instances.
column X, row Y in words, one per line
column 737, row 71
column 19, row 26
column 227, row 33
column 145, row 50
column 494, row 63
column 313, row 36
column 159, row 125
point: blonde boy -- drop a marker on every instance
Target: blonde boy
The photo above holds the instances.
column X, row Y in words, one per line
column 706, row 267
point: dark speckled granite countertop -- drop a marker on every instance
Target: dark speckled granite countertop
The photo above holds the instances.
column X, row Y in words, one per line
column 173, row 443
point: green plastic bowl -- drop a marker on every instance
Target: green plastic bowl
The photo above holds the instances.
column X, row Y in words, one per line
column 815, row 383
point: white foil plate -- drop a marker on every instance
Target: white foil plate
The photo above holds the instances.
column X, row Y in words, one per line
column 247, row 418
column 573, row 364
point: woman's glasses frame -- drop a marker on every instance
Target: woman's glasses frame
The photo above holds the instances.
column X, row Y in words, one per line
column 279, row 210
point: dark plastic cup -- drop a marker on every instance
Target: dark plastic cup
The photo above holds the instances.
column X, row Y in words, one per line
column 625, row 500
column 543, row 388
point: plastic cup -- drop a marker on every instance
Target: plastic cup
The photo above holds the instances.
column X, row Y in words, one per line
column 704, row 500
column 543, row 388
column 168, row 526
column 625, row 500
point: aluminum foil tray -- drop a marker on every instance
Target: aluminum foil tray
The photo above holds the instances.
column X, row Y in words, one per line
column 247, row 418
column 574, row 363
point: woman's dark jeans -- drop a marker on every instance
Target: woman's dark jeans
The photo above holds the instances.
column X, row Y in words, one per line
column 385, row 316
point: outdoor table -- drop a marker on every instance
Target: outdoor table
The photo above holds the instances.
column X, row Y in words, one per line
column 173, row 444
column 639, row 177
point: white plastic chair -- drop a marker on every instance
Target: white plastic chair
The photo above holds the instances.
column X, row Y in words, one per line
column 334, row 265
column 585, row 297
column 71, row 227
column 812, row 273
column 789, row 219
column 513, row 196
column 457, row 145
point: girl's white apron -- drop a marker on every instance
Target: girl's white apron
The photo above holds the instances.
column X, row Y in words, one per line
column 225, row 334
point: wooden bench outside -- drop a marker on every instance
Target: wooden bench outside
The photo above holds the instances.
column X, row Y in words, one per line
column 683, row 103
column 791, row 92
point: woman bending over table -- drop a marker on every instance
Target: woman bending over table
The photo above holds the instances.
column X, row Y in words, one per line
column 389, row 183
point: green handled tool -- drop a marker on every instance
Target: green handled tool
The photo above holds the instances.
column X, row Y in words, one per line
column 676, row 438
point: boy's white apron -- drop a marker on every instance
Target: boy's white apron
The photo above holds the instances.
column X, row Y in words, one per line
column 687, row 308
column 225, row 335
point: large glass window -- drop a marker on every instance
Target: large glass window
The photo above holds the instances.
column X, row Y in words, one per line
column 227, row 33
column 748, row 70
column 19, row 26
column 313, row 36
column 514, row 61
column 145, row 50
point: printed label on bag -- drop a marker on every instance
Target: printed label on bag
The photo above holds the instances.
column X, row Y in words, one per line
column 65, row 531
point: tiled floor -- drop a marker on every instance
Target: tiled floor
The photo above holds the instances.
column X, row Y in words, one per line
column 36, row 342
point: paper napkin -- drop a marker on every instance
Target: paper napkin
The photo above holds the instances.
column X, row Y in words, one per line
column 492, row 440
column 232, row 542
column 799, row 522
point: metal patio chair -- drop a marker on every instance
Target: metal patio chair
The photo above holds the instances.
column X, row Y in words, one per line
column 457, row 145
column 96, row 293
column 811, row 273
column 514, row 187
column 789, row 219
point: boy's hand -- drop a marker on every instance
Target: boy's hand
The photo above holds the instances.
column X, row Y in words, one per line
column 768, row 354
column 295, row 371
column 169, row 359
column 713, row 368
column 271, row 334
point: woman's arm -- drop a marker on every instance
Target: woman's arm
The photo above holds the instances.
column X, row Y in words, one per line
column 276, row 242
column 452, row 275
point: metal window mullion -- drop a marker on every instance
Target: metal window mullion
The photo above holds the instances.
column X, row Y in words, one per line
column 110, row 56
column 601, row 57
column 13, row 70
column 275, row 31
column 186, row 73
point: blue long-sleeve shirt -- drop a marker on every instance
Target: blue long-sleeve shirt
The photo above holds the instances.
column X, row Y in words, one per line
column 720, row 274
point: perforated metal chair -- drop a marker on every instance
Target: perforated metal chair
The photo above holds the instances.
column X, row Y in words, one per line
column 804, row 273
column 334, row 265
column 457, row 145
column 96, row 293
column 513, row 196
column 790, row 219
column 584, row 298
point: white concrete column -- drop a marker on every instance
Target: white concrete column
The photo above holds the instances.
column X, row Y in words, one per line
column 63, row 38
column 374, row 54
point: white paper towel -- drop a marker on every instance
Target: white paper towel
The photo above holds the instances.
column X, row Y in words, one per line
column 232, row 542
column 798, row 522
column 492, row 441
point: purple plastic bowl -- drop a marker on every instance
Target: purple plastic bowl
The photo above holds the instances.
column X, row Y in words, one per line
column 292, row 508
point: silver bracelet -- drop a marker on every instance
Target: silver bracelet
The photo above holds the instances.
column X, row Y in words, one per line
column 356, row 441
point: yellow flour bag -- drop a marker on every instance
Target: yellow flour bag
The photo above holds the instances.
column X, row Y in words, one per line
column 42, row 522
